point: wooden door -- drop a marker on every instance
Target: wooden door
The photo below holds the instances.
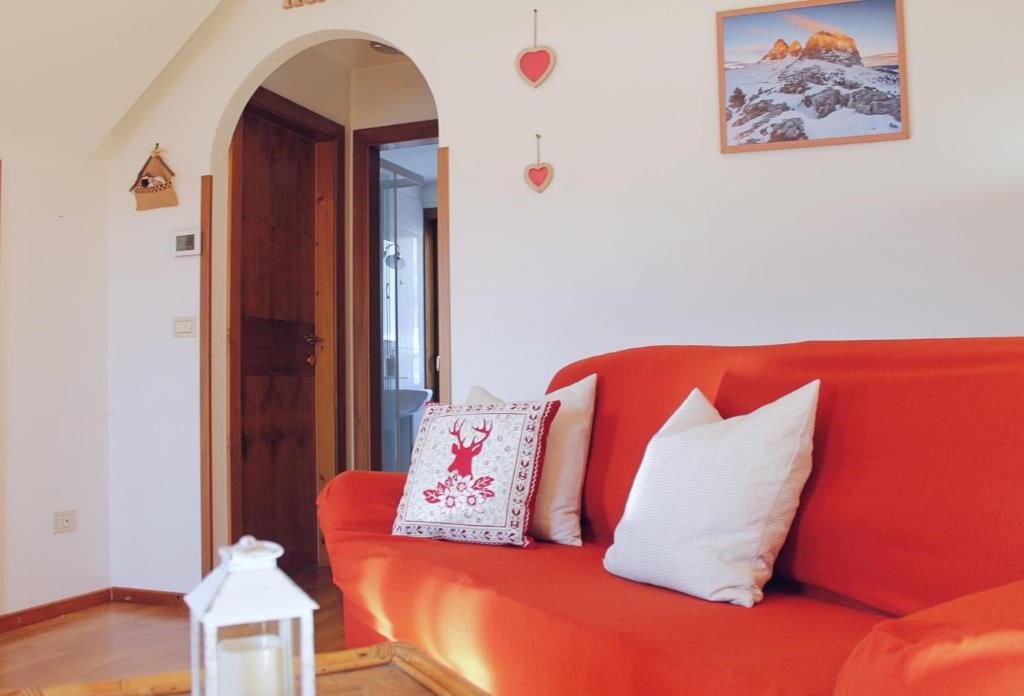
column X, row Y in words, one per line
column 285, row 210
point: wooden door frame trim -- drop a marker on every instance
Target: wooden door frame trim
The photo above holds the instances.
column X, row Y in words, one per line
column 444, row 275
column 291, row 116
column 329, row 140
column 366, row 144
column 205, row 378
column 233, row 323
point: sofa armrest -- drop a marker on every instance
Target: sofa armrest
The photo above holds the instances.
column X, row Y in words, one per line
column 971, row 646
column 360, row 501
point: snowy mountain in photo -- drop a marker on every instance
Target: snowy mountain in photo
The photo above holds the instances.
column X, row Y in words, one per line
column 823, row 89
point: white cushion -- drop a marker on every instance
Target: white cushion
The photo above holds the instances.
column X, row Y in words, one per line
column 713, row 499
column 557, row 515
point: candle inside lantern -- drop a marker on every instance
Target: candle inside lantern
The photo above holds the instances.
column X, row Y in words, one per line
column 252, row 666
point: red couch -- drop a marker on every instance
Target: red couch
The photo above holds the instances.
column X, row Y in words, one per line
column 916, row 498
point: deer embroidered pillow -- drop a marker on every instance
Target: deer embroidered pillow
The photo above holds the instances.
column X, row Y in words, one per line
column 475, row 471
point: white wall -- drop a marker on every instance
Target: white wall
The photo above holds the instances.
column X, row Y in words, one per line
column 153, row 391
column 647, row 235
column 68, row 71
column 53, row 342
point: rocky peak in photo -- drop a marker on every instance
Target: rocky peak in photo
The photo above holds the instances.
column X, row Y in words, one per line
column 833, row 47
column 779, row 51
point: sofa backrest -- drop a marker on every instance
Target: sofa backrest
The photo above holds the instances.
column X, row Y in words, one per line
column 917, row 492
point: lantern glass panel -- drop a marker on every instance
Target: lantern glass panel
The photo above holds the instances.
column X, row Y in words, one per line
column 256, row 659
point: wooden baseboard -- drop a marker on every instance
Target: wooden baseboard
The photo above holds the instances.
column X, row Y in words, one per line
column 45, row 612
column 132, row 594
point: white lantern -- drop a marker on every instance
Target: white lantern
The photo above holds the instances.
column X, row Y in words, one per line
column 242, row 615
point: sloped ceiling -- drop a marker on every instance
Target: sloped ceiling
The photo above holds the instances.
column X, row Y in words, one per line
column 70, row 69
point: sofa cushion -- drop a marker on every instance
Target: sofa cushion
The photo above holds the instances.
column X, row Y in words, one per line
column 914, row 497
column 972, row 646
column 551, row 621
column 557, row 514
column 637, row 390
column 713, row 499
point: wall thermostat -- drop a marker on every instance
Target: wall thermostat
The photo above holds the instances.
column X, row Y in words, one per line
column 186, row 242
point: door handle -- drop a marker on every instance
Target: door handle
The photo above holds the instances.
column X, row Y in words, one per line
column 312, row 339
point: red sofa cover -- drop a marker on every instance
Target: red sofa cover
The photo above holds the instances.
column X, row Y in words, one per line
column 914, row 500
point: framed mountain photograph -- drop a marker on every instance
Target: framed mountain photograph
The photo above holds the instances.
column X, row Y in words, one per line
column 802, row 74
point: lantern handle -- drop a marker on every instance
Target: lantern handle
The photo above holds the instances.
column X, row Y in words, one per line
column 251, row 553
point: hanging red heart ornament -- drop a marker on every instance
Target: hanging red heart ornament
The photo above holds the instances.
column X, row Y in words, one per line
column 538, row 176
column 535, row 64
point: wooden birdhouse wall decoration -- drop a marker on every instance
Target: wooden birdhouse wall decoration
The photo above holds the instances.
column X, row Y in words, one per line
column 154, row 186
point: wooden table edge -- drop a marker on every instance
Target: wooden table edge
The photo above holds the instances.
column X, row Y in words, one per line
column 404, row 656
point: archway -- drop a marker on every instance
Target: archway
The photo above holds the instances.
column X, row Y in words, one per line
column 216, row 415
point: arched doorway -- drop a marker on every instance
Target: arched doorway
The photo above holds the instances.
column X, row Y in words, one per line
column 358, row 407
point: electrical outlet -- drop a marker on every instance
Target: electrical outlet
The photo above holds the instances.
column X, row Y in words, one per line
column 65, row 521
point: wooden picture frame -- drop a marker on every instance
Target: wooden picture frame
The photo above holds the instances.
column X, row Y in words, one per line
column 770, row 132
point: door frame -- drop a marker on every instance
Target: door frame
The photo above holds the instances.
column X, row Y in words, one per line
column 366, row 329
column 329, row 268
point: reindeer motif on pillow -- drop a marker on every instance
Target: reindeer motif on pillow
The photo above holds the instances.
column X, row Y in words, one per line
column 474, row 473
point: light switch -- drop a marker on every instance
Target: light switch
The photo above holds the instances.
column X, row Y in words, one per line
column 184, row 327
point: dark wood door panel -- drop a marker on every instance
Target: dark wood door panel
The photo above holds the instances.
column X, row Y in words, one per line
column 278, row 397
column 278, row 465
column 279, row 199
column 277, row 347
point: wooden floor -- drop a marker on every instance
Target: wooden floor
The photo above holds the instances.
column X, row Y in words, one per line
column 118, row 640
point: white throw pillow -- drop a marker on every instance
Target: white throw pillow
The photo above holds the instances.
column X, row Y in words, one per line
column 557, row 515
column 713, row 499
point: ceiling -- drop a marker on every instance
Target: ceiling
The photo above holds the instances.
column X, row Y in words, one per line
column 355, row 53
